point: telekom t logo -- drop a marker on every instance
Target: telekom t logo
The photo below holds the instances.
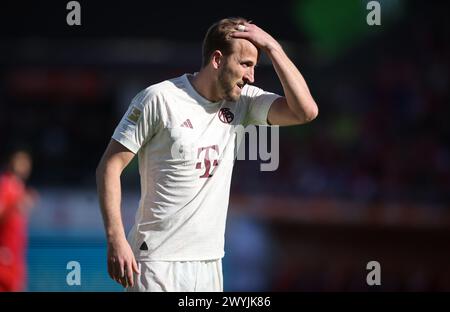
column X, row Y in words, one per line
column 207, row 161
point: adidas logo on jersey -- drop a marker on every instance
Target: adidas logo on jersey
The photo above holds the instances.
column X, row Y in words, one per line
column 187, row 124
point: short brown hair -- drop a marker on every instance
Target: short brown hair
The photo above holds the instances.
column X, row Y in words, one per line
column 218, row 37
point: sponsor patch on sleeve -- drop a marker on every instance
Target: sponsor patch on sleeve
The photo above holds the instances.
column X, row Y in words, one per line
column 134, row 115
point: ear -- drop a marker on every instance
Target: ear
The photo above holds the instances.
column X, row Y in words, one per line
column 217, row 59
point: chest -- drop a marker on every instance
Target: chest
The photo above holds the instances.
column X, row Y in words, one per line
column 193, row 132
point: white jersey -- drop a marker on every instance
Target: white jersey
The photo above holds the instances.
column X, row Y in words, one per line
column 185, row 145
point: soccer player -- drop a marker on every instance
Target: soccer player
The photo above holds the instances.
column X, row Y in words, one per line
column 182, row 131
column 16, row 201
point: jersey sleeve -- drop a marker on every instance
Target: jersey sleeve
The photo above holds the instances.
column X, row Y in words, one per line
column 140, row 122
column 259, row 102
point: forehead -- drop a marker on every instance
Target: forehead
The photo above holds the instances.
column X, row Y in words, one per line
column 243, row 48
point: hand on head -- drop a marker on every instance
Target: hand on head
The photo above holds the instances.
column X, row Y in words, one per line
column 256, row 35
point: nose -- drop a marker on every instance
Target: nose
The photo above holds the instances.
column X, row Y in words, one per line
column 249, row 76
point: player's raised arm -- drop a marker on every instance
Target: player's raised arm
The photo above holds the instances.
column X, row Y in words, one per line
column 298, row 106
column 121, row 261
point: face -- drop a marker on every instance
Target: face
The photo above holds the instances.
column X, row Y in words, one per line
column 20, row 164
column 237, row 70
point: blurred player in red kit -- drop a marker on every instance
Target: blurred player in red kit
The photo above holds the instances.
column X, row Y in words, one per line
column 15, row 203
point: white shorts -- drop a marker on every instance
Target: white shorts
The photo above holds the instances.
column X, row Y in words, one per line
column 178, row 276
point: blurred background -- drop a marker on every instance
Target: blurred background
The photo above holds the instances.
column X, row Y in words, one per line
column 368, row 180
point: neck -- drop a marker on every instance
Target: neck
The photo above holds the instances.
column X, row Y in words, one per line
column 204, row 84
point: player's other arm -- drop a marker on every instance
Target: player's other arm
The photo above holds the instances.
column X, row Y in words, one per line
column 121, row 261
column 297, row 106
